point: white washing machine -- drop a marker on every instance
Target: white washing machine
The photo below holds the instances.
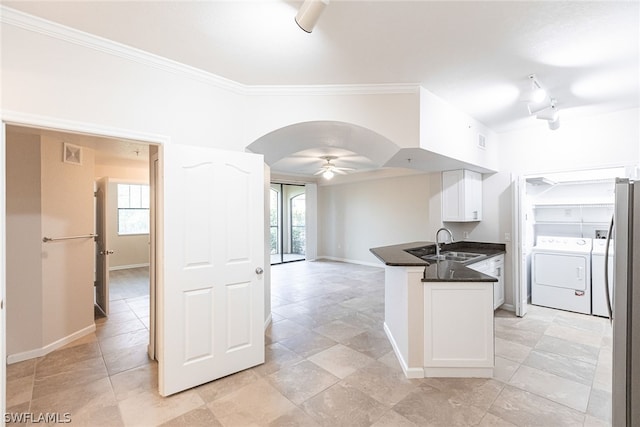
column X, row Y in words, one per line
column 561, row 273
column 598, row 296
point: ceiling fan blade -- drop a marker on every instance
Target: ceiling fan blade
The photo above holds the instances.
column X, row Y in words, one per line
column 319, row 172
column 339, row 170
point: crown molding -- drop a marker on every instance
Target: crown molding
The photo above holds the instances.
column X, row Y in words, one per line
column 59, row 124
column 354, row 89
column 71, row 35
column 61, row 32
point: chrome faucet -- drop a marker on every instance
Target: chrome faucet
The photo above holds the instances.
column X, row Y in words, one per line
column 438, row 241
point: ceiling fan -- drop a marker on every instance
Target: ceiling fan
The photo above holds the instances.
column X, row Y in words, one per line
column 328, row 170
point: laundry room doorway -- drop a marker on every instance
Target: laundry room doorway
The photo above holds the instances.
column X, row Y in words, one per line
column 560, row 212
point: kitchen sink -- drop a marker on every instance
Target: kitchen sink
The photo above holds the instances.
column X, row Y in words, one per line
column 452, row 256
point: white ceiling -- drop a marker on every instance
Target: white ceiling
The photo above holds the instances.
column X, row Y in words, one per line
column 476, row 55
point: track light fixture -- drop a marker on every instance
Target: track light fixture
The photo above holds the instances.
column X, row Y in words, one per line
column 542, row 105
column 309, row 13
column 551, row 115
column 538, row 93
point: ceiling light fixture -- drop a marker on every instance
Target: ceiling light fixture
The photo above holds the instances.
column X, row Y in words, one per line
column 551, row 115
column 542, row 105
column 538, row 93
column 309, row 13
column 328, row 174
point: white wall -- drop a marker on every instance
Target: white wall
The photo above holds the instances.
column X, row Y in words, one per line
column 358, row 216
column 448, row 131
column 24, row 238
column 130, row 173
column 581, row 143
column 311, row 221
column 49, row 285
column 67, row 266
column 394, row 115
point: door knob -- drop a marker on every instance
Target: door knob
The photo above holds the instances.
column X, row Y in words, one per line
column 259, row 270
column 106, row 252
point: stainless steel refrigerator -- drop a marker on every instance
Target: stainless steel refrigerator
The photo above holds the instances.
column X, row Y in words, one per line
column 626, row 305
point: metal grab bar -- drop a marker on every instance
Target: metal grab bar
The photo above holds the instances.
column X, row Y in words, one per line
column 54, row 239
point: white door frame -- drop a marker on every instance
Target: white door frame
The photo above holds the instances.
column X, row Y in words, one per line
column 154, row 239
column 518, row 257
column 42, row 122
column 3, row 276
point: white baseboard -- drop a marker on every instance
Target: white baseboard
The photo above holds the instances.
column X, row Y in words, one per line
column 408, row 372
column 351, row 261
column 508, row 307
column 267, row 321
column 125, row 267
column 43, row 351
column 458, row 372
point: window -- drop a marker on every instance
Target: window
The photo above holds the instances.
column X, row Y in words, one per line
column 133, row 209
column 273, row 220
column 298, row 210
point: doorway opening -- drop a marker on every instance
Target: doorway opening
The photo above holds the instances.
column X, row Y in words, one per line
column 287, row 223
column 61, row 193
column 563, row 216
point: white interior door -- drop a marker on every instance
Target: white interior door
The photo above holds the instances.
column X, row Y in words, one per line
column 102, row 246
column 211, row 293
column 519, row 258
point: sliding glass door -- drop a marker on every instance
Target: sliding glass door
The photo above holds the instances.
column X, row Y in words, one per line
column 287, row 223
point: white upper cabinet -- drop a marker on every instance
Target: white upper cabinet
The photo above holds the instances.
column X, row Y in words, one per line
column 461, row 196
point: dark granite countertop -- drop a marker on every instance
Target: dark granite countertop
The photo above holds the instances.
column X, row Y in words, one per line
column 440, row 271
column 453, row 271
column 396, row 255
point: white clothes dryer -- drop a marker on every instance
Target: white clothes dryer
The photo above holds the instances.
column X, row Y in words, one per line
column 561, row 273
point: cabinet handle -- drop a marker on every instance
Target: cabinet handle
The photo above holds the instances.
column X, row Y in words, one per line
column 499, row 271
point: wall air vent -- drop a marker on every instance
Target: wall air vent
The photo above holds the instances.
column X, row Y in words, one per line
column 482, row 142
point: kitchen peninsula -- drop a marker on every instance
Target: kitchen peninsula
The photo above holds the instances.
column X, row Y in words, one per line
column 439, row 310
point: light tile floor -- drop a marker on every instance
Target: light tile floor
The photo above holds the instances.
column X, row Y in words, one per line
column 329, row 363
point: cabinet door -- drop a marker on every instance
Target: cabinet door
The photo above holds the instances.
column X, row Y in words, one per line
column 498, row 287
column 452, row 195
column 472, row 196
column 493, row 267
column 461, row 196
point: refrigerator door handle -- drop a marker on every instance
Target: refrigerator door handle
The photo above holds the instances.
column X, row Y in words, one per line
column 606, row 271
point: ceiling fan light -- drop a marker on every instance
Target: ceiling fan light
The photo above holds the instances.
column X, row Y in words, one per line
column 328, row 174
column 309, row 13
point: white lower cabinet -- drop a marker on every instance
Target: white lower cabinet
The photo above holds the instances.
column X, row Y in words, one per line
column 458, row 329
column 493, row 266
